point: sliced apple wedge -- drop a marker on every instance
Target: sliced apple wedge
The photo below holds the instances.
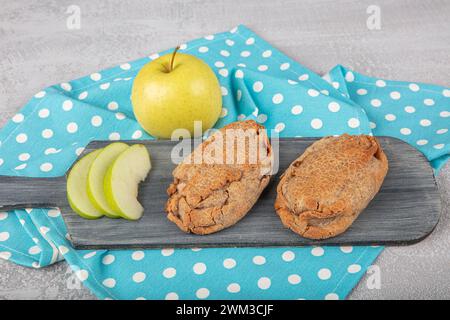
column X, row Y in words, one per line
column 76, row 188
column 122, row 181
column 96, row 177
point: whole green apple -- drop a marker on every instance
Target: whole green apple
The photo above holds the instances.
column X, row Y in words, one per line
column 172, row 92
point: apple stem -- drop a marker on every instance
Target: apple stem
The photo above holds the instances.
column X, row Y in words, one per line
column 173, row 58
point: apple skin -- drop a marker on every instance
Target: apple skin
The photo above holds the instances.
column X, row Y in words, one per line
column 100, row 165
column 166, row 100
column 121, row 183
column 77, row 185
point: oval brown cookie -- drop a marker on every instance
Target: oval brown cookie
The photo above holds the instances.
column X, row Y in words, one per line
column 326, row 188
column 221, row 180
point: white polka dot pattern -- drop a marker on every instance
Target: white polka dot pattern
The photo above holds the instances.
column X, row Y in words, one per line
column 257, row 82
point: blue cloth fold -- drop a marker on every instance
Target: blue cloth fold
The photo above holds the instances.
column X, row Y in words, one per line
column 258, row 82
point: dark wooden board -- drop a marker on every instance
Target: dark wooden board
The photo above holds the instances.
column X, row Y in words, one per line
column 406, row 209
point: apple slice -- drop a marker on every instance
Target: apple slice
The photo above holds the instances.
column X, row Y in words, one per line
column 122, row 181
column 96, row 176
column 76, row 188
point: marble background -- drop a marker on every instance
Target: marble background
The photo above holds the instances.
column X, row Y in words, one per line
column 37, row 50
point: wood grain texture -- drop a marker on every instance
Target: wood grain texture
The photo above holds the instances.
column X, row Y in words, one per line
column 26, row 192
column 406, row 209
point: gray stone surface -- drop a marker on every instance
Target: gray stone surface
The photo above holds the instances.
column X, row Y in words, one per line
column 37, row 50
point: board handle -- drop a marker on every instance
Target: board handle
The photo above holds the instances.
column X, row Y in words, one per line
column 26, row 192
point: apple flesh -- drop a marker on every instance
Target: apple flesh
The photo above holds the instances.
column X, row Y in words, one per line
column 122, row 180
column 77, row 188
column 96, row 176
column 172, row 92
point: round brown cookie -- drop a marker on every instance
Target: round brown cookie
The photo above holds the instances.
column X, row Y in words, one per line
column 326, row 188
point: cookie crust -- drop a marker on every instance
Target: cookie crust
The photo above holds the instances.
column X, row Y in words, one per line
column 326, row 188
column 208, row 197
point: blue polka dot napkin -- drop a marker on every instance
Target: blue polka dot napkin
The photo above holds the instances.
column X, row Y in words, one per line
column 258, row 82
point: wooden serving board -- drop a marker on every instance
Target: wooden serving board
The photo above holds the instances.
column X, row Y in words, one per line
column 405, row 211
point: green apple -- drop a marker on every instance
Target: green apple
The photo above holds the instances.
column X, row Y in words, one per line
column 76, row 188
column 96, row 176
column 122, row 181
column 172, row 92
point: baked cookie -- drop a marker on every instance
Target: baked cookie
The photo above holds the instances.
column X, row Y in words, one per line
column 221, row 180
column 326, row 188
